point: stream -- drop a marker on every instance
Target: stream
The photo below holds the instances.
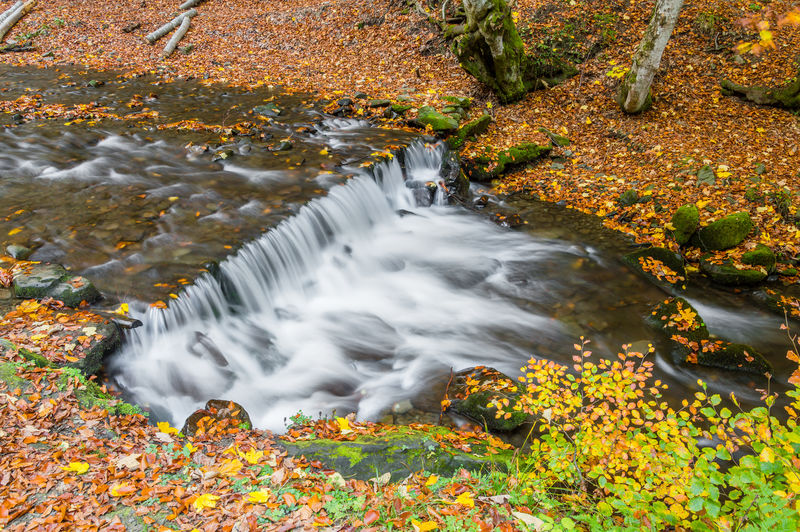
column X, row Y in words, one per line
column 336, row 288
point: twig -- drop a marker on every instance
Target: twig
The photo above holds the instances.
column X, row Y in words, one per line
column 12, row 18
column 176, row 37
column 169, row 26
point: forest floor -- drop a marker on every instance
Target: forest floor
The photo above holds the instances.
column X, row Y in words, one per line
column 93, row 465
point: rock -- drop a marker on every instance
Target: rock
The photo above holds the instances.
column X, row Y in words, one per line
column 398, row 453
column 400, row 108
column 670, row 271
column 344, row 102
column 725, row 233
column 458, row 101
column 484, row 169
column 474, row 388
column 428, row 116
column 470, row 129
column 685, row 222
column 728, row 274
column 706, row 176
column 378, row 103
column 269, row 109
column 628, row 198
column 284, row 145
column 454, row 179
column 760, row 256
column 676, row 316
column 38, row 281
column 556, row 139
column 18, row 252
column 222, row 155
column 735, row 357
column 218, row 413
column 360, row 96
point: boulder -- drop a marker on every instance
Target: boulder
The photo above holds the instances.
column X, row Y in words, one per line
column 428, row 116
column 39, row 281
column 399, row 453
column 470, row 129
column 628, row 198
column 472, row 391
column 18, row 252
column 458, row 101
column 760, row 256
column 685, row 222
column 454, row 179
column 728, row 274
column 218, row 417
column 269, row 109
column 485, row 168
column 555, row 138
column 726, row 232
column 735, row 357
column 658, row 265
column 677, row 317
column 378, row 103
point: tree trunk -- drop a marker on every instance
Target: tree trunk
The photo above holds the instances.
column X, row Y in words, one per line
column 7, row 13
column 634, row 91
column 169, row 26
column 490, row 48
column 787, row 96
column 176, row 37
column 14, row 16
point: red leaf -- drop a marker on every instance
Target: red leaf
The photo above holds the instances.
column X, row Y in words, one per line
column 371, row 517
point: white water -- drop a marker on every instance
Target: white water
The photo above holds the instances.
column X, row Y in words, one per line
column 348, row 305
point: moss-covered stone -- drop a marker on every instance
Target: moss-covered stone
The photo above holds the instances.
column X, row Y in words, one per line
column 685, row 222
column 556, row 139
column 725, row 233
column 485, row 168
column 378, row 103
column 677, row 317
column 39, row 281
column 628, row 198
column 474, row 392
column 728, row 274
column 428, row 116
column 8, row 375
column 645, row 262
column 269, row 110
column 470, row 129
column 398, row 453
column 401, row 108
column 735, row 357
column 760, row 256
column 459, row 101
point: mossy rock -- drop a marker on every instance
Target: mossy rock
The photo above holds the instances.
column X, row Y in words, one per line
column 628, row 198
column 39, row 281
column 555, row 138
column 671, row 260
column 685, row 222
column 378, row 103
column 472, row 128
column 485, row 168
column 760, row 256
column 458, row 101
column 399, row 453
column 663, row 318
column 735, row 357
column 472, row 400
column 8, row 375
column 728, row 274
column 725, row 233
column 428, row 116
column 400, row 108
column 269, row 110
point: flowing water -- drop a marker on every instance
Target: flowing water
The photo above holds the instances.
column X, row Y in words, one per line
column 338, row 293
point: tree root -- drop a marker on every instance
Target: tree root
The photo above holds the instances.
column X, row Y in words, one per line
column 787, row 96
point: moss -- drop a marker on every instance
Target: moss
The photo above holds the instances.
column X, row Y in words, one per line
column 36, row 358
column 760, row 256
column 556, row 139
column 8, row 374
column 685, row 222
column 485, row 168
column 470, row 129
column 671, row 260
column 628, row 198
column 463, row 102
column 728, row 274
column 725, row 233
column 735, row 357
column 428, row 116
column 662, row 316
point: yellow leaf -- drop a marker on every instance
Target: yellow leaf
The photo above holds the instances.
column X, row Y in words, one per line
column 174, row 296
column 767, row 455
column 433, row 479
column 344, row 425
column 702, row 203
column 204, row 501
column 189, row 447
column 465, row 499
column 77, row 467
column 122, row 309
column 761, row 130
column 230, row 467
column 120, row 490
column 323, row 151
column 258, row 497
column 423, row 526
column 163, row 426
column 253, row 456
column 173, row 198
column 588, row 121
column 15, row 231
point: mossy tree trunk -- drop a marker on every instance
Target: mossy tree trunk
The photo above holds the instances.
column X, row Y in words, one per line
column 491, row 50
column 634, row 91
column 787, row 96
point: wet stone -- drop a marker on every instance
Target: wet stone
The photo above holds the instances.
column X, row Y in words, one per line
column 39, row 281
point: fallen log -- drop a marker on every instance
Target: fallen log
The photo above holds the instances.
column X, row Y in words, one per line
column 190, row 3
column 176, row 38
column 14, row 17
column 7, row 13
column 27, row 47
column 171, row 25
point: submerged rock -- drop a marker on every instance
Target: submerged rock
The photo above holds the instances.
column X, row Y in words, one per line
column 269, row 110
column 725, row 233
column 219, row 414
column 685, row 222
column 474, row 389
column 658, row 265
column 39, row 281
column 18, row 252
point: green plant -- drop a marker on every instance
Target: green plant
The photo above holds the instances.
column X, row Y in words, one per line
column 298, row 420
column 607, row 452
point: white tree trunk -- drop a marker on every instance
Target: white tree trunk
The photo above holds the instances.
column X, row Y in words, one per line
column 13, row 16
column 169, row 26
column 7, row 13
column 176, row 37
column 634, row 92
